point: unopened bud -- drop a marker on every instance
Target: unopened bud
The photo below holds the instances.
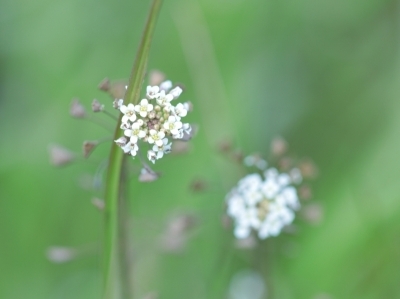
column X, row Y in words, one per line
column 225, row 146
column 96, row 106
column 88, row 147
column 313, row 213
column 77, row 110
column 156, row 77
column 308, row 169
column 98, row 203
column 104, row 85
column 180, row 147
column 147, row 175
column 198, row 185
column 278, row 146
column 60, row 255
column 60, row 156
column 246, row 243
column 117, row 90
column 152, row 114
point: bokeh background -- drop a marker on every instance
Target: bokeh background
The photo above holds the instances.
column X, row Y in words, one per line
column 322, row 74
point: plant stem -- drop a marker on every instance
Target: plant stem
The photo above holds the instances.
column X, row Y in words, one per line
column 113, row 279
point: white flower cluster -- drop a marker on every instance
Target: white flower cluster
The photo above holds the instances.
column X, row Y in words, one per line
column 265, row 206
column 153, row 120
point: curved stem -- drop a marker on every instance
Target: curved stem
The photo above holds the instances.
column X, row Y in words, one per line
column 114, row 179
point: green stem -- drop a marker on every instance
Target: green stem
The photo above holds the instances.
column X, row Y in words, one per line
column 112, row 270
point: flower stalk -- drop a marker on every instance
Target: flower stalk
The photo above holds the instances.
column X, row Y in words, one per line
column 113, row 233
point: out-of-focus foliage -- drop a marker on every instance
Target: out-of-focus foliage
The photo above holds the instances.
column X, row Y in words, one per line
column 322, row 74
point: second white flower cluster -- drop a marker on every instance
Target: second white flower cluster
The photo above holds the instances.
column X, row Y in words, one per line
column 263, row 206
column 153, row 120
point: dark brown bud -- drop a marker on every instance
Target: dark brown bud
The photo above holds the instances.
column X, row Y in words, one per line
column 104, row 85
column 88, row 147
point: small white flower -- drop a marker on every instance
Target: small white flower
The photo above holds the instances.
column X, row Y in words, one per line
column 152, row 91
column 253, row 197
column 176, row 92
column 121, row 141
column 166, row 85
column 165, row 148
column 295, row 175
column 156, row 137
column 251, row 182
column 290, row 197
column 164, row 100
column 118, row 103
column 143, row 108
column 173, row 125
column 242, row 232
column 249, row 160
column 125, row 126
column 236, row 205
column 180, row 110
column 178, row 135
column 187, row 128
column 151, row 156
column 135, row 133
column 261, row 164
column 129, row 113
column 270, row 188
column 130, row 148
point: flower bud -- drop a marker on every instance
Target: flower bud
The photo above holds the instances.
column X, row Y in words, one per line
column 156, row 77
column 96, row 106
column 88, row 147
column 60, row 156
column 104, row 85
column 77, row 110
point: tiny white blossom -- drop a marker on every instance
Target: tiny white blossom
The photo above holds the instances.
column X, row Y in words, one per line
column 125, row 126
column 173, row 125
column 295, row 175
column 130, row 148
column 118, row 103
column 180, row 110
column 135, row 133
column 152, row 91
column 143, row 108
column 176, row 92
column 166, row 85
column 129, row 113
column 156, row 137
column 151, row 156
column 121, row 141
column 164, row 99
column 270, row 188
column 165, row 148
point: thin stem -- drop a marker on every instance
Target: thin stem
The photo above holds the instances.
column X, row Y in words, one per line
column 110, row 115
column 112, row 270
column 99, row 122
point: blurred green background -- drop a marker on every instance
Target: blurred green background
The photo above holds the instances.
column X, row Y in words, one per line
column 322, row 74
